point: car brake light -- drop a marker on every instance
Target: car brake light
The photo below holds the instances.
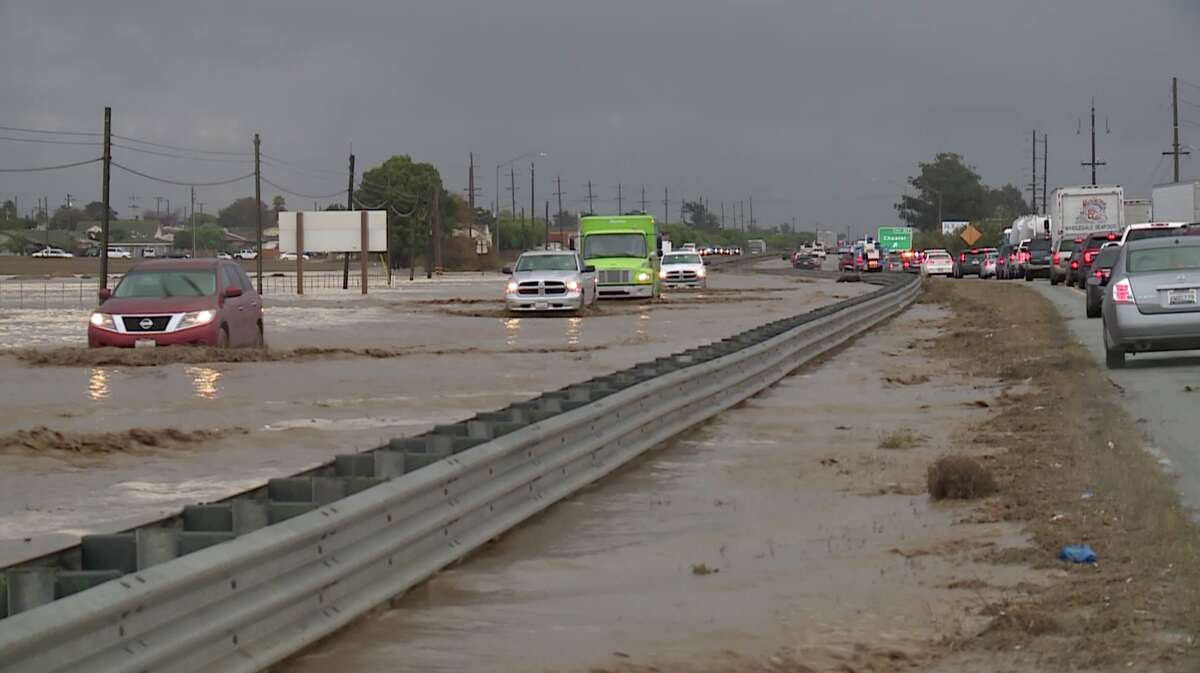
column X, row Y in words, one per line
column 1112, row 236
column 1074, row 265
column 1054, row 258
column 1078, row 241
column 962, row 257
column 1088, row 255
column 1098, row 273
column 1123, row 292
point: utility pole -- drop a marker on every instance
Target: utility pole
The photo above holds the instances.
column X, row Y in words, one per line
column 1175, row 150
column 471, row 190
column 620, row 201
column 559, row 194
column 1045, row 171
column 512, row 189
column 546, row 240
column 532, row 205
column 350, row 206
column 104, row 198
column 1033, row 185
column 193, row 219
column 666, row 205
column 258, row 213
column 742, row 214
column 431, row 220
column 158, row 205
column 643, row 201
column 722, row 214
column 591, row 208
column 437, row 230
column 751, row 213
column 1093, row 163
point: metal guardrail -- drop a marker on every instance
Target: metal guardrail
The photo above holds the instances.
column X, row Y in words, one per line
column 375, row 524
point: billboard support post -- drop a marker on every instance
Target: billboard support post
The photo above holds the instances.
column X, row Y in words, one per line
column 363, row 255
column 300, row 253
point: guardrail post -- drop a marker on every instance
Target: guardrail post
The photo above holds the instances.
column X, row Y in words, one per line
column 156, row 545
column 29, row 588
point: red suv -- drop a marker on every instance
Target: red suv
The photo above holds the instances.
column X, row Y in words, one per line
column 176, row 302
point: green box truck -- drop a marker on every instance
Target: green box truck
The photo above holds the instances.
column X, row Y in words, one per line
column 625, row 251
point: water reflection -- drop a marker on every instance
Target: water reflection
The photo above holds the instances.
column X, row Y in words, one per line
column 205, row 381
column 512, row 327
column 642, row 323
column 98, row 384
column 573, row 325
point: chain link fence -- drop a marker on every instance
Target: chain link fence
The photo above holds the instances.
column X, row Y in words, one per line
column 34, row 293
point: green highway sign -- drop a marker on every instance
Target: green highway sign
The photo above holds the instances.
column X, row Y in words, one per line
column 895, row 238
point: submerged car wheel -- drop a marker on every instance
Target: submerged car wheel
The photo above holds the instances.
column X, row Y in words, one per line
column 1053, row 279
column 223, row 338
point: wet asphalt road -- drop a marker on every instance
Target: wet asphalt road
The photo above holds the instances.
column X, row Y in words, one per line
column 1151, row 387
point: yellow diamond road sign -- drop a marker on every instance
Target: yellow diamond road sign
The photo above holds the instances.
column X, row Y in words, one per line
column 970, row 235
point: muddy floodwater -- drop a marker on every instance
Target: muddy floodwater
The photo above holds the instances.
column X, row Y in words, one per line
column 292, row 414
column 779, row 526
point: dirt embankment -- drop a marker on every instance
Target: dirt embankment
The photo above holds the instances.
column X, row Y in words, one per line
column 43, row 440
column 1074, row 470
column 69, row 356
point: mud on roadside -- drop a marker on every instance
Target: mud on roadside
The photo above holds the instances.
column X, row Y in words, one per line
column 1073, row 470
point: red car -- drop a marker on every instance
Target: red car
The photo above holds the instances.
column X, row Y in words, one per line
column 176, row 302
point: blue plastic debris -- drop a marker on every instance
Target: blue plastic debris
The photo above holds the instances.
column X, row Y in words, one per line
column 1077, row 553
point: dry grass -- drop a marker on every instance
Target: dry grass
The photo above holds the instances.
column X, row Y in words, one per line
column 1141, row 603
column 959, row 478
column 902, row 439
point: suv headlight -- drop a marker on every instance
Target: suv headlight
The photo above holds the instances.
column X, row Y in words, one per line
column 196, row 319
column 643, row 276
column 104, row 321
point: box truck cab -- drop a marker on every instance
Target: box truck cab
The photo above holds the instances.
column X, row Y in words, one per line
column 625, row 252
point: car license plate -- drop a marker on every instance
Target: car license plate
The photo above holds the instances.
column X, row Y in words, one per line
column 145, row 343
column 542, row 305
column 1181, row 297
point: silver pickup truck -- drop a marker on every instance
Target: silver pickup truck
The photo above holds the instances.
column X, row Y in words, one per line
column 550, row 281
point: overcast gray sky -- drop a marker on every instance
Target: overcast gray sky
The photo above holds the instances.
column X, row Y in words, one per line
column 816, row 109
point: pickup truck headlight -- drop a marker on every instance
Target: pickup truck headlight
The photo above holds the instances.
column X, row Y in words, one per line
column 573, row 285
column 662, row 273
column 701, row 272
column 512, row 286
column 643, row 276
column 104, row 321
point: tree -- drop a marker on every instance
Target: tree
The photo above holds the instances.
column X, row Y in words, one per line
column 8, row 211
column 241, row 214
column 209, row 237
column 95, row 211
column 67, row 219
column 963, row 196
column 278, row 203
column 697, row 215
column 1006, row 203
column 406, row 190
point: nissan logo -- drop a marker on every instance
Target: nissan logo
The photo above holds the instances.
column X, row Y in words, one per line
column 146, row 323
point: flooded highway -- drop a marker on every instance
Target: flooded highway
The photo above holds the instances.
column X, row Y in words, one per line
column 453, row 354
column 780, row 526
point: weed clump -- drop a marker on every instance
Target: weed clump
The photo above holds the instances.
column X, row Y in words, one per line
column 959, row 478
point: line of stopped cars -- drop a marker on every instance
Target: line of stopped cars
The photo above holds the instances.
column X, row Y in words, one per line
column 1143, row 281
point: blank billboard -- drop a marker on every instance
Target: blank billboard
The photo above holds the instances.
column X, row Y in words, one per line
column 333, row 231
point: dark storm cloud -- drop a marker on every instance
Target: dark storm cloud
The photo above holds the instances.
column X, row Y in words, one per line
column 813, row 108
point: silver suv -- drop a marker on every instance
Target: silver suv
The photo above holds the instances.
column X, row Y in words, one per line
column 550, row 281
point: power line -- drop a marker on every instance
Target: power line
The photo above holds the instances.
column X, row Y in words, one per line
column 1194, row 86
column 182, row 183
column 177, row 148
column 302, row 172
column 43, row 141
column 303, row 167
column 179, row 156
column 50, row 168
column 52, row 132
column 303, row 196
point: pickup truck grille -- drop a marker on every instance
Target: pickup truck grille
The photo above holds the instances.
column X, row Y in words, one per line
column 686, row 276
column 532, row 288
column 615, row 276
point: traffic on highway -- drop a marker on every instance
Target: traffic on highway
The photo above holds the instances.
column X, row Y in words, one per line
column 615, row 337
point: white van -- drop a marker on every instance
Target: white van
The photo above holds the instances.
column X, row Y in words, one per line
column 117, row 252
